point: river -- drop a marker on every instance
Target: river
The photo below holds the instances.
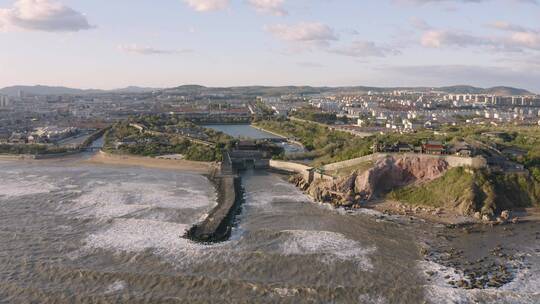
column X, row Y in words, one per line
column 71, row 232
column 249, row 132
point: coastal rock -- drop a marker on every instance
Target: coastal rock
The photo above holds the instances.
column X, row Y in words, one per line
column 346, row 185
column 390, row 172
column 505, row 215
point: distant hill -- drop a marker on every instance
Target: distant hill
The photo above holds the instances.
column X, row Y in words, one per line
column 247, row 90
column 49, row 90
column 135, row 89
column 44, row 90
column 258, row 90
column 507, row 91
column 464, row 89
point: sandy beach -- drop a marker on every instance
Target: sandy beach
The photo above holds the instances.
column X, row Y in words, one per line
column 103, row 158
column 10, row 157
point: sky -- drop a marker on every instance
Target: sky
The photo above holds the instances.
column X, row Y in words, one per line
column 109, row 44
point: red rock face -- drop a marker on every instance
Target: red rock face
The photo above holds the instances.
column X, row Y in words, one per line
column 390, row 173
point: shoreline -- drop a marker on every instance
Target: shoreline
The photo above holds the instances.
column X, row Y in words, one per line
column 104, row 158
column 10, row 157
column 429, row 214
column 268, row 131
column 292, row 141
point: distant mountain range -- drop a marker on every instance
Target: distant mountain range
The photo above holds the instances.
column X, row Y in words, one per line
column 464, row 89
column 259, row 90
column 267, row 90
column 49, row 90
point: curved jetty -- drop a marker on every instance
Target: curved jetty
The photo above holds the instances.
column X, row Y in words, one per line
column 217, row 226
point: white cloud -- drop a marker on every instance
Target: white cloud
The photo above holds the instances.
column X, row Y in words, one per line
column 310, row 34
column 274, row 7
column 516, row 38
column 321, row 36
column 420, row 24
column 207, row 5
column 42, row 15
column 529, row 40
column 145, row 50
column 364, row 49
column 442, row 38
column 460, row 1
column 520, row 36
column 310, row 64
column 506, row 26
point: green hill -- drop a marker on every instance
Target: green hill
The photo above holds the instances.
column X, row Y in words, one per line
column 468, row 191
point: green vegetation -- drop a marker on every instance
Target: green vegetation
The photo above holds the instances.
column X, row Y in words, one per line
column 514, row 190
column 471, row 191
column 265, row 111
column 327, row 146
column 503, row 138
column 453, row 187
column 164, row 135
column 324, row 146
column 359, row 169
column 30, row 149
column 93, row 137
column 316, row 115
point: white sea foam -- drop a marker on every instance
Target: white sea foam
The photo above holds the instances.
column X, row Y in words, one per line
column 329, row 245
column 525, row 289
column 264, row 198
column 163, row 239
column 135, row 235
column 286, row 292
column 13, row 186
column 118, row 200
column 116, row 287
column 527, row 280
column 371, row 299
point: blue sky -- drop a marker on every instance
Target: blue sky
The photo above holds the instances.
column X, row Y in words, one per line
column 161, row 43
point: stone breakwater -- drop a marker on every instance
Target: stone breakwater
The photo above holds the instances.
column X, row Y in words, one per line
column 218, row 224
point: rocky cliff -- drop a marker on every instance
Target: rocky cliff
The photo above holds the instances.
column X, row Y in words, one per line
column 422, row 181
column 387, row 174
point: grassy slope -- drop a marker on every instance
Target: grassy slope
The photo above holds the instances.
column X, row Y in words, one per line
column 359, row 169
column 324, row 146
column 453, row 187
column 467, row 192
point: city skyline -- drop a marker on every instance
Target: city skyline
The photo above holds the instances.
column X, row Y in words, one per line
column 106, row 45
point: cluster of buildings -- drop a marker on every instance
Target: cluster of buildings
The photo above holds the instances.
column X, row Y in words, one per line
column 428, row 147
column 404, row 111
column 483, row 99
column 4, row 101
column 283, row 105
column 42, row 135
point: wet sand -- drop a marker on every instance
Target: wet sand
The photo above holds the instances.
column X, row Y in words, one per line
column 103, row 158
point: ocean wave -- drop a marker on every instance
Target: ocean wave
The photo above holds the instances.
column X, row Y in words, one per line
column 524, row 289
column 330, row 246
column 15, row 186
column 162, row 239
column 108, row 201
column 135, row 235
column 116, row 287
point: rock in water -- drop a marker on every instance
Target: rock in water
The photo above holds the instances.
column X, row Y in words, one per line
column 505, row 215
